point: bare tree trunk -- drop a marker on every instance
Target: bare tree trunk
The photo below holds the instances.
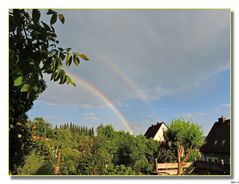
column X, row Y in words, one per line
column 182, row 163
column 179, row 161
column 180, row 168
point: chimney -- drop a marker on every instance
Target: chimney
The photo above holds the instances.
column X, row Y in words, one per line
column 221, row 119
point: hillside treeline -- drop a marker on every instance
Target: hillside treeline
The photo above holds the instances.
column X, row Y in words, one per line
column 74, row 150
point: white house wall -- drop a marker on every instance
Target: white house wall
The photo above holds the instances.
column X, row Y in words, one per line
column 160, row 134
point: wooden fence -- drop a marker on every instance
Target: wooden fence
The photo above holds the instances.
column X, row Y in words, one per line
column 169, row 168
column 194, row 168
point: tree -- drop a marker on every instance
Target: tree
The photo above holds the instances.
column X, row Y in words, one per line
column 167, row 152
column 111, row 152
column 33, row 51
column 124, row 154
column 33, row 162
column 106, row 131
column 40, row 127
column 95, row 157
column 186, row 136
column 69, row 161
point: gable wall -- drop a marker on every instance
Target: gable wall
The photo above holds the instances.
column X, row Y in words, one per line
column 159, row 135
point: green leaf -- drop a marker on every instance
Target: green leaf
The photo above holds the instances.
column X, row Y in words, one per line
column 53, row 19
column 61, row 18
column 25, row 88
column 35, row 33
column 62, row 56
column 50, row 11
column 18, row 81
column 68, row 49
column 27, row 16
column 70, row 81
column 61, row 49
column 55, row 64
column 76, row 60
column 68, row 59
column 63, row 78
column 46, row 26
column 57, row 75
column 73, row 83
column 59, row 63
column 36, row 15
column 83, row 56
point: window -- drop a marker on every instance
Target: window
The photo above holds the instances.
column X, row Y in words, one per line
column 209, row 160
column 212, row 159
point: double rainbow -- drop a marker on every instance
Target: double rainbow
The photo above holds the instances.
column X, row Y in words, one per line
column 103, row 97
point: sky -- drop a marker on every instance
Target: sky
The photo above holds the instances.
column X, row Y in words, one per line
column 146, row 66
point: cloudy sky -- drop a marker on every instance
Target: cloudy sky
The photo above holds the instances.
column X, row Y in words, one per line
column 145, row 66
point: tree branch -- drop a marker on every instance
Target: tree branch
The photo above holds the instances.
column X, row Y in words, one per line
column 188, row 153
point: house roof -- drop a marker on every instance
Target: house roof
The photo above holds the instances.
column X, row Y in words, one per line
column 218, row 139
column 151, row 132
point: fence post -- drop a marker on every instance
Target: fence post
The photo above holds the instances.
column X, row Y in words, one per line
column 156, row 165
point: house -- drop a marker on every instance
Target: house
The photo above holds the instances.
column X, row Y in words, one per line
column 156, row 132
column 217, row 144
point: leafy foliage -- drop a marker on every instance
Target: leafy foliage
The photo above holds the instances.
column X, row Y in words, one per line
column 33, row 163
column 167, row 153
column 119, row 170
column 183, row 137
column 33, row 52
column 20, row 143
column 109, row 152
column 186, row 134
